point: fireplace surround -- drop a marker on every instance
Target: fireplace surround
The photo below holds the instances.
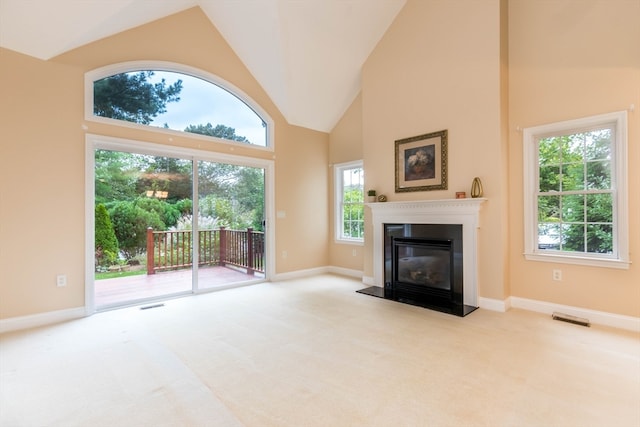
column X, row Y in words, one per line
column 425, row 253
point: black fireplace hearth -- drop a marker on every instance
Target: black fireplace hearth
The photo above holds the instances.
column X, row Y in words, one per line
column 423, row 266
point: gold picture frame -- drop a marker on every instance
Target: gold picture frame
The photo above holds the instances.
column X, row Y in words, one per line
column 421, row 162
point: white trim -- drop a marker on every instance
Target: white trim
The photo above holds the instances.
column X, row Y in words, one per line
column 353, row 242
column 596, row 317
column 620, row 259
column 338, row 187
column 465, row 212
column 345, row 272
column 89, row 225
column 132, row 66
column 298, row 274
column 150, row 148
column 93, row 142
column 369, row 280
column 501, row 306
column 40, row 319
column 577, row 260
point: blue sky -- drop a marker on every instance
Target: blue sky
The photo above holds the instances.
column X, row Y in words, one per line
column 202, row 102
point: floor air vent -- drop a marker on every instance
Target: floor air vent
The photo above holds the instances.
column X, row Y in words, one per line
column 571, row 319
column 147, row 307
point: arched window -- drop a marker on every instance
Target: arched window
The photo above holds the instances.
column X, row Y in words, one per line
column 175, row 98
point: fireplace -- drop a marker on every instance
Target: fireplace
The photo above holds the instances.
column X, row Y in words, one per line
column 425, row 253
column 423, row 265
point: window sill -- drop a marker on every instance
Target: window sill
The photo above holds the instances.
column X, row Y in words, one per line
column 567, row 259
column 356, row 242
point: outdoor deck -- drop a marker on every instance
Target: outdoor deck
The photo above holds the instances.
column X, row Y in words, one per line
column 111, row 292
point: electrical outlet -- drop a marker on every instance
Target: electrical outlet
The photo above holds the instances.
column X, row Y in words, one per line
column 354, row 252
column 61, row 280
column 557, row 275
column 284, row 254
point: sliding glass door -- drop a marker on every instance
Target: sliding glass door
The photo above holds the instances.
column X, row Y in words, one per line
column 143, row 246
column 156, row 237
column 231, row 238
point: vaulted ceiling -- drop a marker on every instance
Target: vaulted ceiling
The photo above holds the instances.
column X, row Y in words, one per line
column 307, row 54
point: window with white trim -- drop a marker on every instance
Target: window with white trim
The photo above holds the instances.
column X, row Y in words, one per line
column 575, row 191
column 172, row 98
column 349, row 202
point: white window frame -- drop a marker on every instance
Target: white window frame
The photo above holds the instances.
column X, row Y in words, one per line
column 338, row 170
column 94, row 141
column 132, row 66
column 620, row 256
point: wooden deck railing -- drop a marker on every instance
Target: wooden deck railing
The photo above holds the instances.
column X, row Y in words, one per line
column 172, row 250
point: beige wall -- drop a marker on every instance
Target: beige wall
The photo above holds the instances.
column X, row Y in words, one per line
column 438, row 67
column 567, row 60
column 302, row 176
column 442, row 65
column 345, row 145
column 42, row 214
column 482, row 70
column 41, row 186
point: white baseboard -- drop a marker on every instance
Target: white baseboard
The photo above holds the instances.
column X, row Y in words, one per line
column 368, row 280
column 596, row 317
column 300, row 273
column 319, row 270
column 40, row 319
column 494, row 304
column 345, row 272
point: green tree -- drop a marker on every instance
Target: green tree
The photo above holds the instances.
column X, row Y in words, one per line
column 106, row 243
column 353, row 213
column 574, row 179
column 248, row 191
column 220, row 208
column 167, row 212
column 130, row 223
column 233, row 193
column 116, row 174
column 219, row 131
column 131, row 97
column 184, row 206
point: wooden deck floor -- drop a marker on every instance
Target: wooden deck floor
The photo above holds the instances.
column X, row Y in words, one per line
column 125, row 290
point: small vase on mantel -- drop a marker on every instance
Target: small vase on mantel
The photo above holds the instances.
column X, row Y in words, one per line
column 476, row 188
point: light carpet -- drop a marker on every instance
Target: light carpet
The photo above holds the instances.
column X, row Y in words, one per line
column 313, row 352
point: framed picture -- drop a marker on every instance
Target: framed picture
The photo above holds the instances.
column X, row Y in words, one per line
column 421, row 162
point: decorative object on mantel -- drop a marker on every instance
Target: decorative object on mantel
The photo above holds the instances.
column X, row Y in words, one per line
column 476, row 188
column 421, row 162
column 461, row 195
column 382, row 198
column 372, row 195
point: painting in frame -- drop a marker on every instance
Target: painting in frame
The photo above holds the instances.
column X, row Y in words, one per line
column 421, row 162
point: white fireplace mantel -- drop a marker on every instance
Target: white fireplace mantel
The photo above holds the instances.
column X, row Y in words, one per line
column 465, row 212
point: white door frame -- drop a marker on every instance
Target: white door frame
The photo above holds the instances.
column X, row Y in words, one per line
column 93, row 142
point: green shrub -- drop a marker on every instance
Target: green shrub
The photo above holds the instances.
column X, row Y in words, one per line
column 167, row 212
column 106, row 243
column 130, row 223
column 185, row 206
